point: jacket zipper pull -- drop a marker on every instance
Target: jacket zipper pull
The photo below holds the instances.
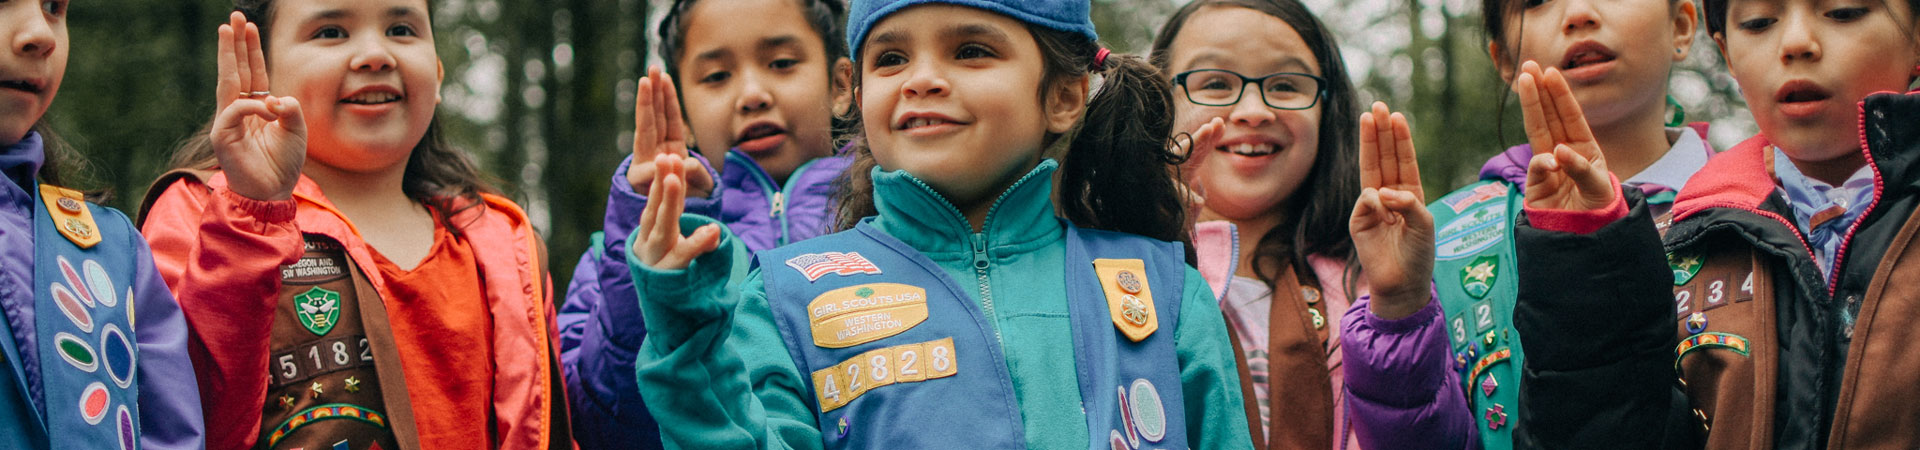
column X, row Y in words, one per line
column 779, row 203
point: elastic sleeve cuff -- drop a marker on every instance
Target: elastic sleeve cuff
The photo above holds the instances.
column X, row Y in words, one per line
column 1580, row 222
column 1414, row 322
column 266, row 211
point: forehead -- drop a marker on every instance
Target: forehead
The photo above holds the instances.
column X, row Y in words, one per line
column 944, row 22
column 294, row 12
column 1242, row 40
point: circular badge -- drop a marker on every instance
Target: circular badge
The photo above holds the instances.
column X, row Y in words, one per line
column 76, row 352
column 1310, row 294
column 1149, row 416
column 93, row 403
column 1128, row 282
column 116, row 352
column 1696, row 323
column 69, row 205
column 100, row 283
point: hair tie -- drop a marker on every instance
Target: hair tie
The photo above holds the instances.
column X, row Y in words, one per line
column 1100, row 59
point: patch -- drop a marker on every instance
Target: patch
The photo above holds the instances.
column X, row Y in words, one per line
column 73, row 281
column 839, row 385
column 1132, row 313
column 320, row 357
column 1746, row 290
column 1717, row 294
column 76, row 352
column 73, row 219
column 857, row 315
column 1492, row 357
column 1488, row 385
column 1149, row 414
column 1460, row 201
column 1483, row 317
column 70, row 306
column 123, row 422
column 94, row 401
column 1696, row 323
column 1132, row 431
column 1458, row 332
column 116, row 352
column 319, row 310
column 1310, row 294
column 1472, row 232
column 1118, row 443
column 100, row 284
column 1496, row 416
column 1684, row 266
column 1715, row 339
column 1477, row 278
column 342, row 445
column 1319, row 320
column 323, row 261
column 816, row 265
column 331, row 411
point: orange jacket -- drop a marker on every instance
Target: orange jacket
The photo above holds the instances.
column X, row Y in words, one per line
column 221, row 253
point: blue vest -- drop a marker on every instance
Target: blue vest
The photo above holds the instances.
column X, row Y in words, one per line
column 83, row 310
column 905, row 352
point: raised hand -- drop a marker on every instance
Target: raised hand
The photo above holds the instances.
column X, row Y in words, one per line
column 1196, row 147
column 1391, row 228
column 1567, row 171
column 259, row 139
column 659, row 129
column 660, row 245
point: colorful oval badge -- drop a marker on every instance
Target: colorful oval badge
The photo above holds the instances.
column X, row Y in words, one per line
column 100, row 284
column 73, row 279
column 124, row 420
column 116, row 352
column 1149, row 415
column 93, row 403
column 76, row 352
column 865, row 313
column 70, row 306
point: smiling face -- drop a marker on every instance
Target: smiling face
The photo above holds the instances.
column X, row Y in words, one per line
column 764, row 90
column 365, row 73
column 1804, row 65
column 1615, row 53
column 35, row 60
column 953, row 95
column 1265, row 153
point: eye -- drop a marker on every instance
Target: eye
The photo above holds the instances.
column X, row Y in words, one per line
column 1212, row 82
column 330, row 33
column 889, row 59
column 716, row 77
column 1283, row 86
column 1757, row 24
column 57, row 8
column 1530, row 4
column 972, row 51
column 402, row 30
column 783, row 63
column 1847, row 14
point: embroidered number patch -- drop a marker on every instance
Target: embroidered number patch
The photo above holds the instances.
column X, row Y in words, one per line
column 839, row 385
column 320, row 357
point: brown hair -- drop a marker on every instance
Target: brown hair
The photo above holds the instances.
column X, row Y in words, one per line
column 1114, row 174
column 437, row 175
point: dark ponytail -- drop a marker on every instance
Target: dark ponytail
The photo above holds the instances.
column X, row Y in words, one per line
column 1116, row 174
column 63, row 166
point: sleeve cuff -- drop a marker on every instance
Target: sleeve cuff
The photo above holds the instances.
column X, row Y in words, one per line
column 267, row 211
column 1414, row 322
column 1580, row 222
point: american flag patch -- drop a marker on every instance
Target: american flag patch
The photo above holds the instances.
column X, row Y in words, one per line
column 816, row 265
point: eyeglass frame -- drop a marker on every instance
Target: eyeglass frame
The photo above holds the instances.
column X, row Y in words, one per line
column 1320, row 88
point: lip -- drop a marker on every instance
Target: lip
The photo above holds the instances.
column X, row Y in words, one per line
column 1801, row 99
column 1246, row 163
column 949, row 124
column 376, row 108
column 1587, row 61
column 760, row 136
column 32, row 86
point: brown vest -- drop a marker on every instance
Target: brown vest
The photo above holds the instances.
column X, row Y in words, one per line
column 1299, row 387
column 1729, row 366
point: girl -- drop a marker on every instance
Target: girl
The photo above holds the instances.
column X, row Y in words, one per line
column 1789, row 296
column 768, row 92
column 391, row 299
column 958, row 310
column 1279, row 186
column 1618, row 70
column 72, row 276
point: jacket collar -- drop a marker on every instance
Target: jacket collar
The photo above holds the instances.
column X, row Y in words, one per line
column 1687, row 155
column 1888, row 138
column 22, row 160
column 912, row 212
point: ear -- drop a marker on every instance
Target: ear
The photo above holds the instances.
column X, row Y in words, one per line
column 440, row 78
column 1686, row 21
column 1720, row 42
column 1066, row 102
column 842, row 86
column 1500, row 61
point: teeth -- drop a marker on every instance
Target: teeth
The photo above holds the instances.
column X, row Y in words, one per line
column 1250, row 149
column 924, row 122
column 373, row 98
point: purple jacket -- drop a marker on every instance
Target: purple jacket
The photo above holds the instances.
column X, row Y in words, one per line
column 1397, row 385
column 600, row 324
column 170, row 416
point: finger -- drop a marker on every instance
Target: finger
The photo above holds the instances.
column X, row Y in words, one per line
column 1366, row 211
column 1369, row 152
column 1591, row 179
column 1531, row 110
column 1409, row 161
column 231, row 121
column 647, row 215
column 1550, row 109
column 1388, row 155
column 676, row 130
column 675, row 196
column 292, row 120
column 1411, row 206
column 1574, row 121
column 659, row 113
column 1541, row 173
column 227, row 87
column 644, row 129
column 703, row 240
column 257, row 61
column 240, row 61
column 696, row 175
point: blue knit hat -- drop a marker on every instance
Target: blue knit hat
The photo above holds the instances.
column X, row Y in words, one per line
column 1071, row 16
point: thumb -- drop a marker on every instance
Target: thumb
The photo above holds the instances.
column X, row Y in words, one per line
column 292, row 119
column 1596, row 186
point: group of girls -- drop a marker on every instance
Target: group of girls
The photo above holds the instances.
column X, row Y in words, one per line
column 911, row 222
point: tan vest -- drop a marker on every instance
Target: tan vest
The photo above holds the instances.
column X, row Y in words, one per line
column 1728, row 354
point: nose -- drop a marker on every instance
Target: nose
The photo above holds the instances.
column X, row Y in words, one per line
column 754, row 95
column 925, row 80
column 372, row 56
column 1578, row 15
column 1797, row 41
column 1250, row 109
column 34, row 38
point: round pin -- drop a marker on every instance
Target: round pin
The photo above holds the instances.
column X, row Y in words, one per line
column 1490, row 339
column 1319, row 320
column 1149, row 415
column 78, row 229
column 1133, row 310
column 1311, row 294
column 69, row 205
column 1128, row 282
column 1696, row 323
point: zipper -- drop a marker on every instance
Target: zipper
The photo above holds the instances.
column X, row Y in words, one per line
column 978, row 244
column 980, row 265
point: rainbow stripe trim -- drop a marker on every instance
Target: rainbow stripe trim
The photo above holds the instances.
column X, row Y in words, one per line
column 326, row 412
column 1488, row 361
column 1710, row 340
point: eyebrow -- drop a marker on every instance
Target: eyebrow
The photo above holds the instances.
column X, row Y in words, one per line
column 1218, row 58
column 962, row 31
column 335, row 14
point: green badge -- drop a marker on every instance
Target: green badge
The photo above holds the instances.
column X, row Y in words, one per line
column 1477, row 278
column 1684, row 267
column 319, row 310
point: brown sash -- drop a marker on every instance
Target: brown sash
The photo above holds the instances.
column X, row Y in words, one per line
column 1299, row 387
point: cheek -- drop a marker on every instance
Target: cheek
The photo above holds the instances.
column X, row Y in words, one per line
column 1187, row 116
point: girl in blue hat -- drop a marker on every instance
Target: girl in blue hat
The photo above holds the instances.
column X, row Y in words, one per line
column 957, row 308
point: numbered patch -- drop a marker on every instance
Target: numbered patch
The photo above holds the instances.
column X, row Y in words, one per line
column 319, row 358
column 839, row 385
column 857, row 315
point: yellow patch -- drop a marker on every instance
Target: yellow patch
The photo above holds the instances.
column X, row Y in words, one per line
column 70, row 214
column 1129, row 296
column 857, row 315
column 912, row 363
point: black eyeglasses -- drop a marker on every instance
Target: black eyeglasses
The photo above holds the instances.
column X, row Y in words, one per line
column 1285, row 90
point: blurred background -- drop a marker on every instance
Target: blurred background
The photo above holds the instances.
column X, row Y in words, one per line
column 541, row 92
